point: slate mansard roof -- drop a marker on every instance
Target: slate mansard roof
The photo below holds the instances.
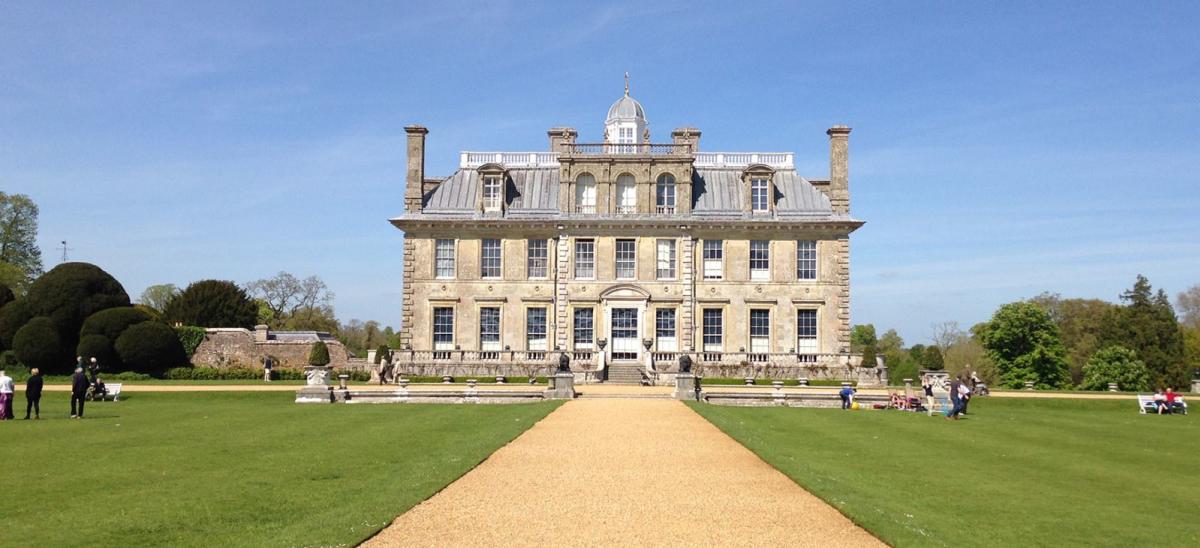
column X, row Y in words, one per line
column 716, row 193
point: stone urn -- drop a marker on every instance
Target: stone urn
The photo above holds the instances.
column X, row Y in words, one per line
column 317, row 375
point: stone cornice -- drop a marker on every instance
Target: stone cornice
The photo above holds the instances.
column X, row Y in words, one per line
column 609, row 223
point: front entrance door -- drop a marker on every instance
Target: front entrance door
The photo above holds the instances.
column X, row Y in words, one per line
column 624, row 329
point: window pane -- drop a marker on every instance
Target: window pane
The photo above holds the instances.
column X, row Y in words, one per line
column 666, row 259
column 538, row 254
column 491, row 194
column 585, row 259
column 584, row 318
column 489, row 328
column 626, row 195
column 665, row 194
column 664, row 323
column 714, row 268
column 760, row 330
column 626, row 259
column 490, row 265
column 760, row 260
column 535, row 328
column 444, row 258
column 585, row 194
column 806, row 260
column 806, row 331
column 759, row 194
column 443, row 328
column 713, row 329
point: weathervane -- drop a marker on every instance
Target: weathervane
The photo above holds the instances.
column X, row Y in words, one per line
column 65, row 249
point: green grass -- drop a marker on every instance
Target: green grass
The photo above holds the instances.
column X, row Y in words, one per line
column 234, row 469
column 1015, row 473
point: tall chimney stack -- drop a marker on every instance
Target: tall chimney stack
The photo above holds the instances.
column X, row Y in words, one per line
column 689, row 136
column 561, row 138
column 839, row 168
column 415, row 182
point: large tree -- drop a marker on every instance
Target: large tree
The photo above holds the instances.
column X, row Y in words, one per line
column 1146, row 324
column 159, row 296
column 1024, row 343
column 305, row 301
column 20, row 256
column 70, row 292
column 1189, row 306
column 1080, row 322
column 213, row 303
column 1115, row 364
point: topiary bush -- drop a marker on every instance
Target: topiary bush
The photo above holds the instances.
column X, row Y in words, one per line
column 112, row 322
column 190, row 337
column 101, row 348
column 70, row 292
column 213, row 303
column 6, row 295
column 319, row 355
column 38, row 344
column 13, row 317
column 150, row 347
column 382, row 354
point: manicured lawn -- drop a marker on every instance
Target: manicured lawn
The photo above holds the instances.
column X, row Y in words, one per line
column 1016, row 473
column 234, row 469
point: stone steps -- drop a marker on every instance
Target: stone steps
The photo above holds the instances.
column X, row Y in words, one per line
column 623, row 374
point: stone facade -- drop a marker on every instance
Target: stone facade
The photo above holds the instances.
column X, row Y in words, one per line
column 236, row 347
column 517, row 255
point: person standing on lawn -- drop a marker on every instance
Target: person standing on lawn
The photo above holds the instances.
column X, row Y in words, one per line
column 33, row 394
column 94, row 369
column 930, row 401
column 79, row 387
column 6, row 396
column 964, row 396
column 955, row 399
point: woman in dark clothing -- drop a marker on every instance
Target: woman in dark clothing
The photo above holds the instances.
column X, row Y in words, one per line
column 33, row 394
column 79, row 387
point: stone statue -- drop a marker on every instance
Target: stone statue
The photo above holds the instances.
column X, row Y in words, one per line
column 564, row 363
column 685, row 363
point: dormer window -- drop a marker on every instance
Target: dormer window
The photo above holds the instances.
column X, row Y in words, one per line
column 626, row 195
column 664, row 195
column 492, row 194
column 760, row 195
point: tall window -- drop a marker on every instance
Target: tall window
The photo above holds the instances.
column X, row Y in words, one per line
column 664, row 330
column 806, row 332
column 714, row 259
column 492, row 194
column 760, row 197
column 443, row 258
column 537, row 255
column 585, row 259
column 584, row 332
column 626, row 259
column 535, row 329
column 626, row 195
column 806, row 260
column 666, row 259
column 760, row 330
column 585, row 194
column 760, row 260
column 443, row 328
column 714, row 329
column 664, row 194
column 489, row 329
column 489, row 266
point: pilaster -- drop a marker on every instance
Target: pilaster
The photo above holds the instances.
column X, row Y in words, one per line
column 687, row 263
column 406, row 310
column 562, row 263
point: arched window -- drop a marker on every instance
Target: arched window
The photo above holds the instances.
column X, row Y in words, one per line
column 585, row 194
column 664, row 194
column 626, row 195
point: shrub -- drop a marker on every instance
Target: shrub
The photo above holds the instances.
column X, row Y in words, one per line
column 13, row 317
column 112, row 322
column 190, row 337
column 1115, row 364
column 319, row 355
column 8, row 358
column 71, row 292
column 101, row 348
column 382, row 354
column 213, row 303
column 38, row 344
column 232, row 373
column 150, row 347
column 6, row 295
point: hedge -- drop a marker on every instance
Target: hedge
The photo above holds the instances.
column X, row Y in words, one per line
column 39, row 345
column 70, row 292
column 232, row 373
column 150, row 347
column 13, row 316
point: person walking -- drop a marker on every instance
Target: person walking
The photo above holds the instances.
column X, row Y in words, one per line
column 964, row 396
column 79, row 387
column 33, row 394
column 6, row 396
column 955, row 399
column 930, row 401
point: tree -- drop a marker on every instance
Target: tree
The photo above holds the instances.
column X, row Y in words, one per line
column 288, row 296
column 1024, row 343
column 382, row 354
column 6, row 295
column 159, row 296
column 862, row 336
column 100, row 331
column 101, row 348
column 1080, row 322
column 213, row 303
column 1115, row 364
column 1188, row 303
column 150, row 347
column 38, row 344
column 966, row 353
column 18, row 239
column 70, row 292
column 312, row 319
column 12, row 317
column 319, row 355
column 945, row 334
column 1146, row 324
column 932, row 360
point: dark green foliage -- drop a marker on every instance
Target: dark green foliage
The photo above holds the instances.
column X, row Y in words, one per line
column 101, row 348
column 12, row 317
column 1146, row 324
column 112, row 322
column 190, row 337
column 902, row 368
column 1024, row 343
column 931, row 359
column 1080, row 322
column 212, row 303
column 233, row 373
column 150, row 347
column 1115, row 364
column 38, row 344
column 319, row 355
column 6, row 295
column 70, row 292
column 862, row 339
column 382, row 354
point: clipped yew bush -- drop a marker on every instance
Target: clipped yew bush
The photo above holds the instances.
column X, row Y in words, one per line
column 38, row 344
column 113, row 321
column 319, row 355
column 12, row 318
column 150, row 347
column 6, row 295
column 212, row 303
column 70, row 292
column 101, row 348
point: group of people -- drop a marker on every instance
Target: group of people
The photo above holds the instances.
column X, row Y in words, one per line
column 1167, row 402
column 961, row 388
column 33, row 395
column 386, row 371
column 81, row 383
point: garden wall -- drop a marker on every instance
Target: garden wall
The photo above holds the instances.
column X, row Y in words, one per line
column 230, row 347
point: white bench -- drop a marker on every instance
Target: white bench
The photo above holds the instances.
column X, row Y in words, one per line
column 1146, row 405
column 112, row 390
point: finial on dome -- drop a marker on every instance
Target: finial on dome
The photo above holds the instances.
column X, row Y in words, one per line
column 626, row 82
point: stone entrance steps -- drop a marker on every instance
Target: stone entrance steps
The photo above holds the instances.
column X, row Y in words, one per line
column 624, row 374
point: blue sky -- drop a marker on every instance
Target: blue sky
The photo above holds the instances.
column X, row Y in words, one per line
column 999, row 149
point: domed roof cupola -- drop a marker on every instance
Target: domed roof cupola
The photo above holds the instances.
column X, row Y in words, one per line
column 626, row 121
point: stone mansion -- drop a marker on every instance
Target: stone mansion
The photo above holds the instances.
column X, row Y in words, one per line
column 624, row 254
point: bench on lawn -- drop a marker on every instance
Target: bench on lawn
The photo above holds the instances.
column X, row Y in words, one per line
column 111, row 390
column 1146, row 406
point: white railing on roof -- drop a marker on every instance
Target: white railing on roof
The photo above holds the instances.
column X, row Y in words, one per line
column 778, row 160
column 513, row 159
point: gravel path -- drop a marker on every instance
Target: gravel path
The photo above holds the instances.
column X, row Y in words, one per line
column 623, row 472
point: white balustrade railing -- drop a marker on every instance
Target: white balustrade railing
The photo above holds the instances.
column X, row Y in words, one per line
column 777, row 160
column 509, row 159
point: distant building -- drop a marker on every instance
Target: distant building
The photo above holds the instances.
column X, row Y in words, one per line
column 626, row 253
column 234, row 347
